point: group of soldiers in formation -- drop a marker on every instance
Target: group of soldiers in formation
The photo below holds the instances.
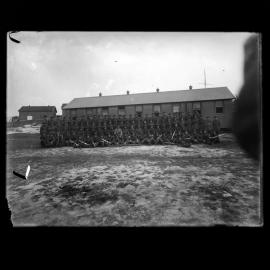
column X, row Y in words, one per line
column 180, row 129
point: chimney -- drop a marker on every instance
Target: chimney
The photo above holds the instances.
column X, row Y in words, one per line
column 157, row 90
column 190, row 87
column 127, row 92
column 100, row 94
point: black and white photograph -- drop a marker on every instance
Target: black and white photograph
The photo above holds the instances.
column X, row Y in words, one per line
column 134, row 129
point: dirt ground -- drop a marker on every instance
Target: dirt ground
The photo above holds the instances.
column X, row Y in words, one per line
column 132, row 185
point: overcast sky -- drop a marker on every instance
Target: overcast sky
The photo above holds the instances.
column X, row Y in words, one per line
column 51, row 68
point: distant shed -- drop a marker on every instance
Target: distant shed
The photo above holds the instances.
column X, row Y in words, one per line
column 36, row 113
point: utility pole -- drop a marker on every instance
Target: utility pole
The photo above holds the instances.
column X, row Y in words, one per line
column 205, row 83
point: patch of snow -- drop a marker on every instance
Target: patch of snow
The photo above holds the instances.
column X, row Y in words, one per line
column 25, row 129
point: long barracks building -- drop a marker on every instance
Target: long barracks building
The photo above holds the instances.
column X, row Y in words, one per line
column 208, row 101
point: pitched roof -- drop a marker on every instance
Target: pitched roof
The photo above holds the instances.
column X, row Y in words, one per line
column 216, row 93
column 37, row 108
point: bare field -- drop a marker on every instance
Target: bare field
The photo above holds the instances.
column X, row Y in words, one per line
column 132, row 185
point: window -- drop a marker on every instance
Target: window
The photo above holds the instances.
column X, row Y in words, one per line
column 88, row 111
column 139, row 108
column 175, row 108
column 121, row 110
column 29, row 117
column 73, row 112
column 196, row 106
column 219, row 107
column 156, row 108
column 105, row 111
column 80, row 112
column 184, row 107
column 99, row 111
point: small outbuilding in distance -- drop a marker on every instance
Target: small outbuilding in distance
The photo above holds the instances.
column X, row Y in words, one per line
column 210, row 102
column 36, row 113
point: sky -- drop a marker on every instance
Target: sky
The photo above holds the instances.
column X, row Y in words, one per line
column 52, row 68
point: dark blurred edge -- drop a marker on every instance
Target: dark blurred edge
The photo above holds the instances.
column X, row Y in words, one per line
column 247, row 118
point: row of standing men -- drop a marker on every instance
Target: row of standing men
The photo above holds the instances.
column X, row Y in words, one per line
column 180, row 129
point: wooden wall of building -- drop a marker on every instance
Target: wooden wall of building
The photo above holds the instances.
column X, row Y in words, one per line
column 208, row 108
column 113, row 110
column 130, row 110
column 166, row 108
column 35, row 115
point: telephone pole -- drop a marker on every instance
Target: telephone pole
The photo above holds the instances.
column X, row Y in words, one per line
column 205, row 83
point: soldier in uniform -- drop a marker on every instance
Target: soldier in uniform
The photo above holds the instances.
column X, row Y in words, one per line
column 185, row 121
column 93, row 123
column 49, row 139
column 166, row 136
column 180, row 137
column 97, row 122
column 57, row 132
column 113, row 122
column 134, row 139
column 116, row 121
column 51, row 133
column 196, row 123
column 43, row 132
column 214, row 137
column 216, row 125
column 113, row 139
column 163, row 120
column 159, row 138
column 95, row 139
column 206, row 138
column 68, row 130
column 73, row 128
column 129, row 120
column 118, row 134
column 200, row 136
column 83, row 142
column 157, row 120
column 174, row 121
column 186, row 139
column 169, row 121
column 189, row 123
column 181, row 123
column 42, row 136
column 154, row 119
column 193, row 137
column 202, row 125
column 140, row 120
column 208, row 124
column 104, row 141
column 151, row 136
column 146, row 139
column 144, row 123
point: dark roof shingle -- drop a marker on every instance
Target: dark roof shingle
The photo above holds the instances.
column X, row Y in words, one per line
column 37, row 109
column 217, row 93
